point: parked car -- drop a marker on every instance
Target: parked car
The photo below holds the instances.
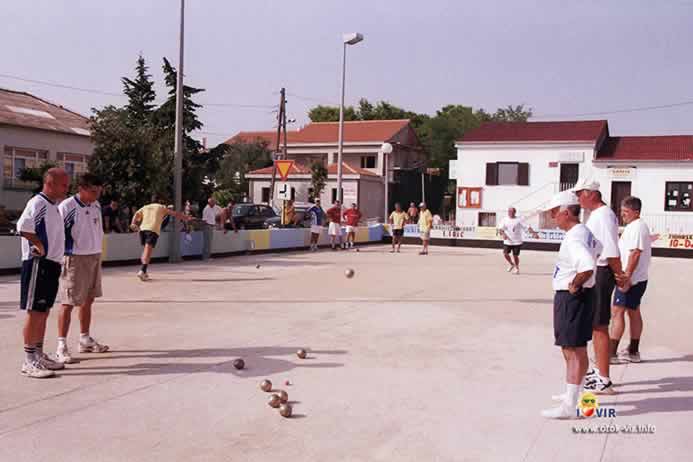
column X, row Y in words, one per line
column 302, row 218
column 251, row 216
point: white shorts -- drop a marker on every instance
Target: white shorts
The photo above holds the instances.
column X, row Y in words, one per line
column 335, row 229
column 350, row 229
column 316, row 229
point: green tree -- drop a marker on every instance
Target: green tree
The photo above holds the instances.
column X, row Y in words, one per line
column 239, row 158
column 35, row 175
column 140, row 93
column 126, row 157
column 318, row 178
column 197, row 163
column 331, row 114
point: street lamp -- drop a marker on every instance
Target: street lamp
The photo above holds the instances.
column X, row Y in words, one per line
column 386, row 149
column 348, row 39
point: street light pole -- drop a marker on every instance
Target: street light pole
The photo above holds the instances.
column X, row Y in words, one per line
column 340, row 145
column 349, row 39
column 386, row 149
column 174, row 253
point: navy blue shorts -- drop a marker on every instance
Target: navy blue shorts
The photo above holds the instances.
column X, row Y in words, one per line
column 572, row 318
column 632, row 298
column 39, row 284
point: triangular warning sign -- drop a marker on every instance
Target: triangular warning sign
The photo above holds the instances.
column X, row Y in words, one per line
column 283, row 167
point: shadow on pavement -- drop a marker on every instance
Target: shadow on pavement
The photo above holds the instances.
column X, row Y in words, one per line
column 659, row 404
column 259, row 361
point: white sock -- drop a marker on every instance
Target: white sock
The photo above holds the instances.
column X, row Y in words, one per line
column 84, row 338
column 62, row 341
column 571, row 391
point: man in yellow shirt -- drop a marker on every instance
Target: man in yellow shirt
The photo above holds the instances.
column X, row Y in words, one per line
column 147, row 221
column 397, row 219
column 425, row 224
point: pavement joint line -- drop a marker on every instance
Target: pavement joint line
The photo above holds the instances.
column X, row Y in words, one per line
column 115, row 397
column 617, row 398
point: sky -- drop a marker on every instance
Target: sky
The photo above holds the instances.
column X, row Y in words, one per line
column 564, row 59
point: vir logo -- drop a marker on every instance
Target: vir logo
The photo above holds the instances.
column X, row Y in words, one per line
column 588, row 406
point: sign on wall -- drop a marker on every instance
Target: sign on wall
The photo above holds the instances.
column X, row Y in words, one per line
column 622, row 173
column 468, row 198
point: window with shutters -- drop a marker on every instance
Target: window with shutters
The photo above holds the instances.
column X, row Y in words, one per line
column 507, row 173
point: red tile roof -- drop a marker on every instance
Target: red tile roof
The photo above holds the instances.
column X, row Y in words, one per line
column 25, row 110
column 304, row 170
column 663, row 148
column 524, row 132
column 375, row 131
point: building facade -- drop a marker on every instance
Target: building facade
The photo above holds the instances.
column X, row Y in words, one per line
column 364, row 164
column 33, row 132
column 522, row 165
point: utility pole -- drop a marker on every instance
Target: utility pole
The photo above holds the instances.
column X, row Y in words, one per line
column 174, row 250
column 280, row 117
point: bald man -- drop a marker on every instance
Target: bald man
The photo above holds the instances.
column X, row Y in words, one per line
column 43, row 246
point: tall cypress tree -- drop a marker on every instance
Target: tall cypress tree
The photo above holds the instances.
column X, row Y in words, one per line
column 196, row 163
column 140, row 93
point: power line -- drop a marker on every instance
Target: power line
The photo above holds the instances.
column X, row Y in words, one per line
column 616, row 111
column 120, row 95
column 310, row 98
column 60, row 85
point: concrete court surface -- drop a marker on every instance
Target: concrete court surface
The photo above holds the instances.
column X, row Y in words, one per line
column 446, row 357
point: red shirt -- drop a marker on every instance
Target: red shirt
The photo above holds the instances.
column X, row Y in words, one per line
column 335, row 214
column 352, row 217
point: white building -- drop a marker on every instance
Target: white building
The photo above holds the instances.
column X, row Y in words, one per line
column 32, row 132
column 523, row 164
column 363, row 163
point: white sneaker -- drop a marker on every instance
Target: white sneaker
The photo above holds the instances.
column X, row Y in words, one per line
column 598, row 386
column 591, row 373
column 627, row 357
column 63, row 355
column 92, row 346
column 563, row 411
column 142, row 275
column 510, row 268
column 516, row 270
column 49, row 363
column 35, row 370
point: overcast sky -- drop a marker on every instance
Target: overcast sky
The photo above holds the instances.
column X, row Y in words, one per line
column 561, row 58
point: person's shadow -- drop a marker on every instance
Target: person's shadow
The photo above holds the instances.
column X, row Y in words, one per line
column 658, row 404
column 259, row 361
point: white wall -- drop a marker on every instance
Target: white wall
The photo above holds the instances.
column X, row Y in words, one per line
column 53, row 142
column 543, row 180
column 648, row 180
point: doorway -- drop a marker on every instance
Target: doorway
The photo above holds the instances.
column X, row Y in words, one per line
column 619, row 191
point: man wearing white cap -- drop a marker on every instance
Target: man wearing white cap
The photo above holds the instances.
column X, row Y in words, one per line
column 573, row 279
column 604, row 225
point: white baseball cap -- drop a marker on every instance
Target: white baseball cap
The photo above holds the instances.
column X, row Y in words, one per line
column 561, row 199
column 583, row 184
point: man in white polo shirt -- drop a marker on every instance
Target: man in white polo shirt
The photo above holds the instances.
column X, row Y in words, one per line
column 43, row 244
column 604, row 225
column 636, row 253
column 573, row 279
column 80, row 280
column 511, row 230
column 211, row 214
